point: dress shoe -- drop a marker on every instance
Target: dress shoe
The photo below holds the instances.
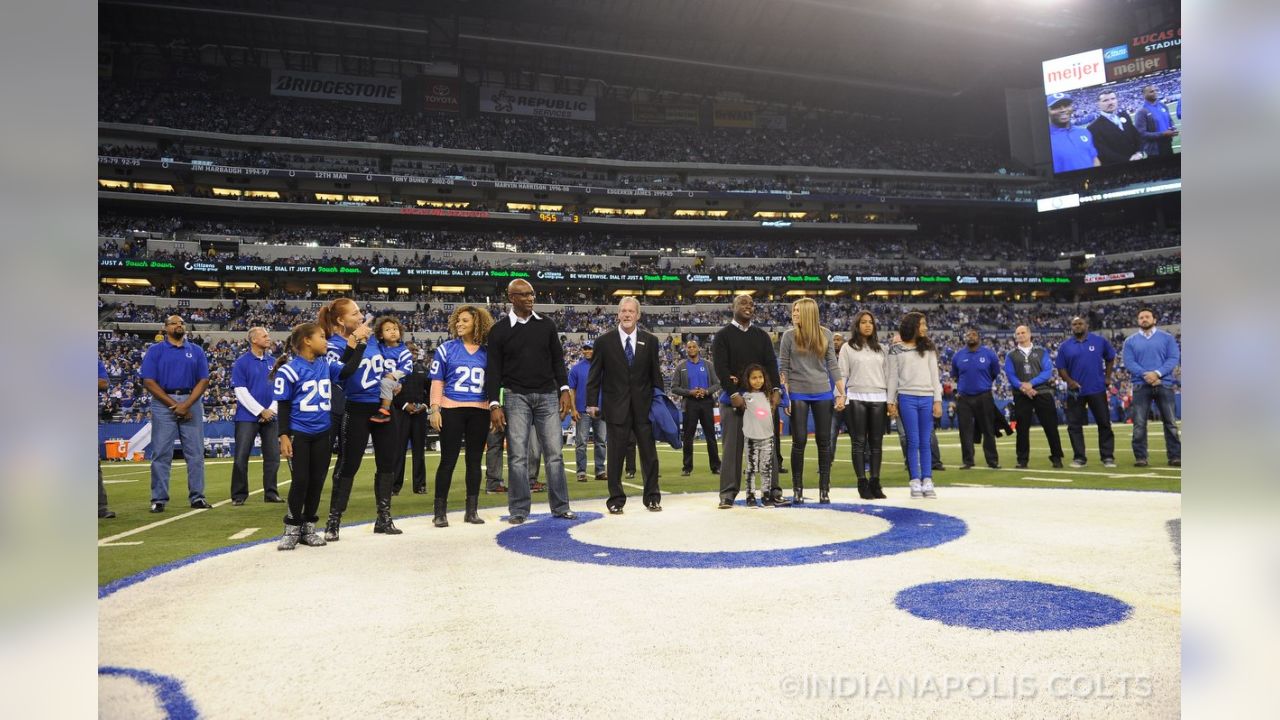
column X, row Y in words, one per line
column 1141, row 463
column 615, row 510
column 601, row 476
column 967, row 466
column 1057, row 462
column 686, row 473
column 516, row 519
column 724, row 505
column 654, row 507
column 420, row 491
column 237, row 502
column 500, row 489
column 272, row 498
column 157, row 507
column 105, row 514
column 537, row 487
column 1021, row 466
column 996, row 466
column 631, row 474
column 201, row 504
column 567, row 515
column 1176, row 462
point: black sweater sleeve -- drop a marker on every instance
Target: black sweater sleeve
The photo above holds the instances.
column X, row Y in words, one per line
column 351, row 360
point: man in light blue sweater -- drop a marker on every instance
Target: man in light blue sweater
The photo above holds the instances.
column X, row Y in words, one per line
column 1151, row 356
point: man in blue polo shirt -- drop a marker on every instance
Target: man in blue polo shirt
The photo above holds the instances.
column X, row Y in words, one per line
column 695, row 380
column 1085, row 361
column 176, row 374
column 1150, row 356
column 1072, row 146
column 255, row 417
column 975, row 368
column 586, row 426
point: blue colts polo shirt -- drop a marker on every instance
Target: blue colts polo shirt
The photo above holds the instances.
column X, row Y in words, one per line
column 1085, row 360
column 175, row 367
column 1072, row 148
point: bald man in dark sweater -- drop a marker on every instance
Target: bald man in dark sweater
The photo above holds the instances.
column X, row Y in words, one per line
column 736, row 346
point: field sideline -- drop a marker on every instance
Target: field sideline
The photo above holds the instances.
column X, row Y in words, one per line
column 135, row 542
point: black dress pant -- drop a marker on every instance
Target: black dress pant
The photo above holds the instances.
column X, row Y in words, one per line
column 614, row 453
column 309, row 467
column 700, row 412
column 411, row 431
column 1078, row 409
column 976, row 417
column 459, row 425
column 245, row 433
column 1042, row 407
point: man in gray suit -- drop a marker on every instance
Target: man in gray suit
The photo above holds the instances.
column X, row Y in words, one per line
column 695, row 381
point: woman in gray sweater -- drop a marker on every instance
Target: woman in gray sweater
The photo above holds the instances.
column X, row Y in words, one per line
column 915, row 396
column 862, row 366
column 808, row 370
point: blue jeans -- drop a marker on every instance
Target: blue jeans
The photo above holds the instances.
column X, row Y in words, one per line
column 537, row 414
column 1142, row 396
column 165, row 428
column 916, row 413
column 588, row 425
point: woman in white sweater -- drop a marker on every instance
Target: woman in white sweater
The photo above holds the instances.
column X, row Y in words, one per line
column 862, row 366
column 915, row 397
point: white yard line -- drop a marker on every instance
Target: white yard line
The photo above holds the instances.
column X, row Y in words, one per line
column 243, row 534
column 109, row 540
column 136, row 542
column 117, row 482
column 1040, row 479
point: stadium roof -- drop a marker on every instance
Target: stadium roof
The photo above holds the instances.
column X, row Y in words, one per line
column 824, row 53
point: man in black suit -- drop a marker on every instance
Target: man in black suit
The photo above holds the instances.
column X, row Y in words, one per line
column 409, row 418
column 626, row 369
column 1114, row 135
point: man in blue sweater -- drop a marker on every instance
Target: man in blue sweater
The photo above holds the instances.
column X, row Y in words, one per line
column 586, row 427
column 975, row 368
column 1085, row 362
column 1151, row 355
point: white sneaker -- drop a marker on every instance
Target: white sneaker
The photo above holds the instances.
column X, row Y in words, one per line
column 915, row 490
column 926, row 488
column 1108, row 463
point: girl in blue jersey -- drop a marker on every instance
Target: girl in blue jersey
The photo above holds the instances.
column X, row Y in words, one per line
column 459, row 406
column 362, row 390
column 303, row 390
column 397, row 363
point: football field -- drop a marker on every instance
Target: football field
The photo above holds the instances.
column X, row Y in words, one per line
column 1015, row 593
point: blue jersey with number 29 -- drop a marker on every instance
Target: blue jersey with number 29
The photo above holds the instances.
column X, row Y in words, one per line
column 308, row 388
column 461, row 372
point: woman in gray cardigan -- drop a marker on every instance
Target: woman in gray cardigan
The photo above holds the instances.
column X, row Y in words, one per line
column 807, row 367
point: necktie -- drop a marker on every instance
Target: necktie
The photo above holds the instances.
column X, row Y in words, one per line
column 631, row 354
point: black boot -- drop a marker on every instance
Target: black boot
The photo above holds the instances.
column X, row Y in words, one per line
column 798, row 490
column 824, row 490
column 382, row 499
column 441, row 519
column 864, row 489
column 473, row 502
column 875, row 491
column 331, row 527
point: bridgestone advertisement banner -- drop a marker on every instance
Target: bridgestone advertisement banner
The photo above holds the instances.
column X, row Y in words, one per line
column 324, row 86
column 504, row 101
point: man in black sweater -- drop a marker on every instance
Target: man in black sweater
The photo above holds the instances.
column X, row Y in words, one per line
column 736, row 346
column 526, row 360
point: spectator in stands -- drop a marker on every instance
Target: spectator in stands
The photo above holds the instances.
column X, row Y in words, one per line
column 808, row 370
column 176, row 373
column 255, row 418
column 1085, row 361
column 1151, row 356
column 526, row 365
column 1029, row 371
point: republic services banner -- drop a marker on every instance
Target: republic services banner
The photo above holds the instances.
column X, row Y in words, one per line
column 505, row 101
column 326, row 86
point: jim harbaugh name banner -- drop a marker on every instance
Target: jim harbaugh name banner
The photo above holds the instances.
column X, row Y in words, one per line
column 505, row 101
column 326, row 86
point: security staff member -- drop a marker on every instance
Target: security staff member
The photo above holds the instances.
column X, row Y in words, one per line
column 975, row 368
column 176, row 373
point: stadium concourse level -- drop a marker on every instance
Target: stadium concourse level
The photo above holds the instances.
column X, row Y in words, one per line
column 719, row 180
column 127, row 401
column 195, row 102
column 944, row 243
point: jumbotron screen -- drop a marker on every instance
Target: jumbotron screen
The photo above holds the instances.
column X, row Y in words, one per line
column 1116, row 105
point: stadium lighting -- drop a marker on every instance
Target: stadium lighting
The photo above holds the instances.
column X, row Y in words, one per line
column 448, row 288
column 114, row 184
column 627, row 293
column 1147, row 284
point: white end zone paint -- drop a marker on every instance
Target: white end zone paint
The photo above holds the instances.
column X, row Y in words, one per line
column 444, row 622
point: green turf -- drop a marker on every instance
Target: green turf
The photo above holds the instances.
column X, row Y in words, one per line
column 212, row 529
